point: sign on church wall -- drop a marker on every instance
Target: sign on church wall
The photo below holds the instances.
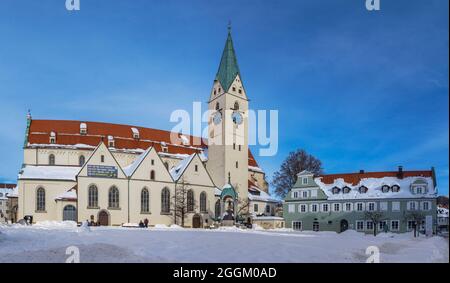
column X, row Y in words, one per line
column 102, row 171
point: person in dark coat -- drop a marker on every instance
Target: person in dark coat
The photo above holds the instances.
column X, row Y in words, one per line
column 141, row 224
column 146, row 223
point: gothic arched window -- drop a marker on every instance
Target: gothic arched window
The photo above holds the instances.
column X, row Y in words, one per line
column 40, row 200
column 93, row 196
column 51, row 159
column 145, row 201
column 236, row 106
column 217, row 106
column 190, row 201
column 113, row 197
column 203, row 202
column 165, row 200
column 81, row 160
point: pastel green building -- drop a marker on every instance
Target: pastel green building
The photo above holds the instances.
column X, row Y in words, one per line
column 401, row 199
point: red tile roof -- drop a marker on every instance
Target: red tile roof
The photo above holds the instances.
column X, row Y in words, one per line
column 68, row 133
column 355, row 178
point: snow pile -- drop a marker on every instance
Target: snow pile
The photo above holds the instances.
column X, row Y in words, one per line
column 84, row 227
column 165, row 227
column 113, row 244
column 55, row 225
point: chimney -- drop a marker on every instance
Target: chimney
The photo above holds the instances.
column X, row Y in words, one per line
column 361, row 171
column 400, row 172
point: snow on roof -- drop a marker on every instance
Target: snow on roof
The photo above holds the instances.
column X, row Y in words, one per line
column 135, row 131
column 217, row 191
column 442, row 212
column 263, row 196
column 184, row 140
column 178, row 170
column 173, row 155
column 256, row 169
column 129, row 170
column 83, row 126
column 66, row 146
column 5, row 192
column 14, row 193
column 68, row 195
column 374, row 188
column 68, row 173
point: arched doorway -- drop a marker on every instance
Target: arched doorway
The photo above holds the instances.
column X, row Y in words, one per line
column 196, row 221
column 70, row 213
column 344, row 225
column 103, row 218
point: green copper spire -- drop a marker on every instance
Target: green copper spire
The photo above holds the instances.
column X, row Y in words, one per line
column 228, row 69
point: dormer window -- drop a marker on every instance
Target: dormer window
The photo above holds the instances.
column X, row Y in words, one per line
column 135, row 133
column 83, row 129
column 346, row 190
column 362, row 189
column 335, row 190
column 164, row 148
column 419, row 186
column 111, row 142
column 304, row 180
column 395, row 188
column 385, row 188
column 52, row 137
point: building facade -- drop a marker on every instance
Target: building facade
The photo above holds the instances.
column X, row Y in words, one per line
column 114, row 174
column 357, row 201
column 5, row 191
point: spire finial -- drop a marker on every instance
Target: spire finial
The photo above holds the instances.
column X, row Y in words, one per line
column 229, row 178
column 29, row 114
column 229, row 26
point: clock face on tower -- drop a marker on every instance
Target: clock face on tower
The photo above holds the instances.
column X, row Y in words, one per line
column 237, row 117
column 217, row 118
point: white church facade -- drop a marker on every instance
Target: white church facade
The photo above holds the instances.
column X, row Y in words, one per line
column 112, row 174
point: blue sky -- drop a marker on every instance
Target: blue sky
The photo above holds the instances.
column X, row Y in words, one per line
column 357, row 89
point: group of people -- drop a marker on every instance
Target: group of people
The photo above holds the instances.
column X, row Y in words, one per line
column 143, row 224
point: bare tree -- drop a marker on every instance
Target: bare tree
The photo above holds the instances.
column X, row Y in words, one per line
column 180, row 203
column 417, row 219
column 376, row 217
column 296, row 162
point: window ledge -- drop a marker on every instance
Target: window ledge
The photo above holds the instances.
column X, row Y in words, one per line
column 165, row 213
column 93, row 207
column 145, row 212
column 40, row 211
column 114, row 208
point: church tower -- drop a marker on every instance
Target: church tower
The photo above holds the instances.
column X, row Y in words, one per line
column 228, row 125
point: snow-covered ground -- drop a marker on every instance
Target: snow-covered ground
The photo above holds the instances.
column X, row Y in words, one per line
column 47, row 242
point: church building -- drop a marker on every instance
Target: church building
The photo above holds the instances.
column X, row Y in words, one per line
column 112, row 174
